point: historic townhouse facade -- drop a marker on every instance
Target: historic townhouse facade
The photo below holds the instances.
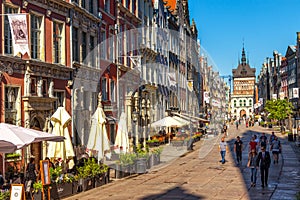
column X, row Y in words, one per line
column 85, row 29
column 35, row 84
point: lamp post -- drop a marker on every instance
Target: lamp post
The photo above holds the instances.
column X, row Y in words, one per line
column 134, row 117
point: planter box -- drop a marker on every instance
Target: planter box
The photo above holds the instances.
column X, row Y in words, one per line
column 86, row 184
column 75, row 189
column 141, row 165
column 99, row 180
column 114, row 157
column 61, row 190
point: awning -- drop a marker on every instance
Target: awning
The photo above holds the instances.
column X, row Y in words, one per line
column 193, row 117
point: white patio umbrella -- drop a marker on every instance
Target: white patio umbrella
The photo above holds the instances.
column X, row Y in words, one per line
column 181, row 120
column 14, row 137
column 63, row 150
column 167, row 122
column 122, row 140
column 98, row 139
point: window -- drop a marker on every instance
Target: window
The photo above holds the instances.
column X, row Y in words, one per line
column 35, row 24
column 12, row 105
column 92, row 51
column 8, row 48
column 112, row 91
column 33, row 86
column 107, row 6
column 57, row 42
column 44, row 88
column 112, row 133
column 75, row 44
column 60, row 99
column 250, row 102
column 104, row 89
column 86, row 98
column 241, row 103
column 103, row 44
column 111, row 48
column 244, row 102
column 94, row 100
column 234, row 103
column 91, row 6
column 83, row 3
column 83, row 47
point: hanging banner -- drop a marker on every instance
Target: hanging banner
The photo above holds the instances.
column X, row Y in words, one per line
column 206, row 97
column 295, row 92
column 172, row 79
column 18, row 28
column 190, row 84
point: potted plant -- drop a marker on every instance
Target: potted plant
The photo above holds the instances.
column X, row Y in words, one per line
column 4, row 194
column 153, row 142
column 37, row 190
column 84, row 178
column 127, row 163
column 156, row 152
column 62, row 184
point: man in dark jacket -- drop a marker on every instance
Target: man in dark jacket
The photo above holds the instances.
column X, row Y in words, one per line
column 264, row 161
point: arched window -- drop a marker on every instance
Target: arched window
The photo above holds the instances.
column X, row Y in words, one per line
column 234, row 103
column 244, row 102
column 250, row 102
column 241, row 103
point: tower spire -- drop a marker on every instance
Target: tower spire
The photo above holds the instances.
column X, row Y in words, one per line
column 243, row 59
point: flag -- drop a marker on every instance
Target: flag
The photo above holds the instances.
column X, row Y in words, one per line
column 206, row 97
column 190, row 84
column 18, row 28
column 295, row 92
column 136, row 60
column 172, row 79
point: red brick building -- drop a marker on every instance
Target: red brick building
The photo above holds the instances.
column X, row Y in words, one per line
column 33, row 86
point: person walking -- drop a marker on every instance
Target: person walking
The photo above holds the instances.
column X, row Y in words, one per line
column 252, row 144
column 31, row 174
column 263, row 140
column 275, row 149
column 272, row 137
column 237, row 124
column 252, row 157
column 263, row 161
column 238, row 148
column 223, row 148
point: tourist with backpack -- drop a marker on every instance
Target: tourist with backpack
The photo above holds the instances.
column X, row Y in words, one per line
column 276, row 149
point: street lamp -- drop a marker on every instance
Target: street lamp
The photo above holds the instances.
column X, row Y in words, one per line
column 134, row 116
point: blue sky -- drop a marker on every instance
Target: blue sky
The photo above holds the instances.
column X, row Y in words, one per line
column 263, row 25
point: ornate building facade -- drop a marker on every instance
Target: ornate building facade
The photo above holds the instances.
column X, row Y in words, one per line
column 243, row 96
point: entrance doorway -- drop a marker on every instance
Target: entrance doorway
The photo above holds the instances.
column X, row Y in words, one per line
column 242, row 113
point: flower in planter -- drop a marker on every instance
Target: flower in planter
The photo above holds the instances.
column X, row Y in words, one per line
column 37, row 186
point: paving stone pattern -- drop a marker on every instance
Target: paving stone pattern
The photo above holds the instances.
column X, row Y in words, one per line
column 199, row 174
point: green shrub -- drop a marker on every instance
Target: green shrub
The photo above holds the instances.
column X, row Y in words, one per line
column 4, row 194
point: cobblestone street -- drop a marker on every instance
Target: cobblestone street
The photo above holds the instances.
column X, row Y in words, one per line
column 200, row 175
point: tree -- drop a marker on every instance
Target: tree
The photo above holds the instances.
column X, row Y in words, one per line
column 279, row 109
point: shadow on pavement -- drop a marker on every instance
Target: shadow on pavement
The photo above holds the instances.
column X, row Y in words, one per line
column 274, row 171
column 174, row 193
